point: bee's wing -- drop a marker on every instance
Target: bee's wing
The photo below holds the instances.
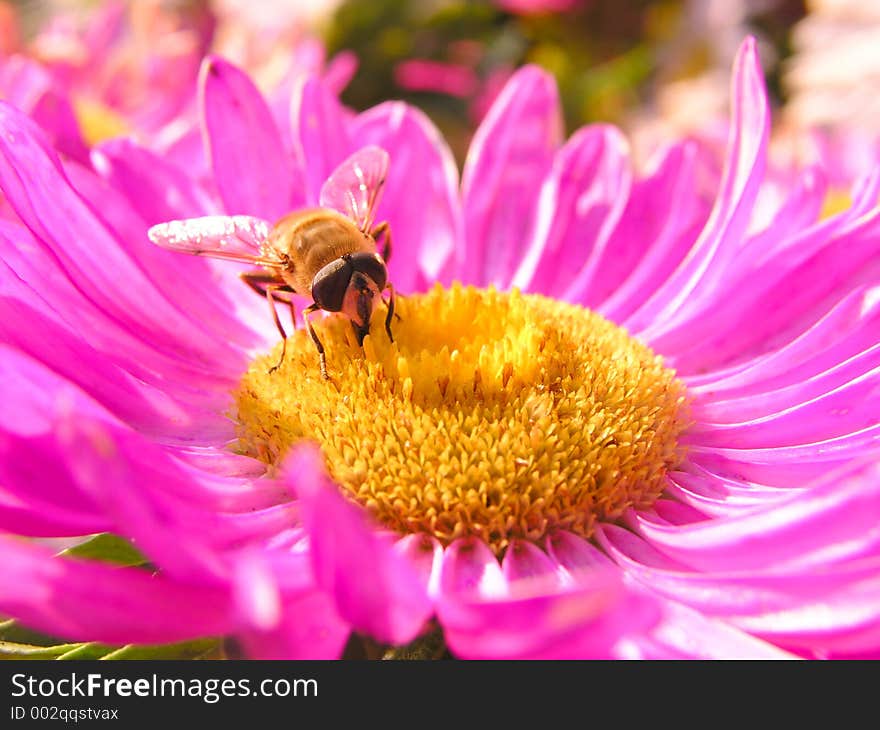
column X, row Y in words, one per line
column 355, row 187
column 236, row 237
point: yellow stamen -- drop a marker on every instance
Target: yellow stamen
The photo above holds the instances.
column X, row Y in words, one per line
column 837, row 200
column 499, row 415
column 97, row 121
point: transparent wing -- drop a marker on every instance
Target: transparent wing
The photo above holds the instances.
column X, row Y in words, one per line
column 236, row 237
column 355, row 187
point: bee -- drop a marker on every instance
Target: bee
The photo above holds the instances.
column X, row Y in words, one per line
column 328, row 253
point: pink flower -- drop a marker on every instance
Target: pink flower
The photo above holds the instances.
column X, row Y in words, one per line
column 437, row 76
column 131, row 70
column 133, row 66
column 536, row 7
column 118, row 360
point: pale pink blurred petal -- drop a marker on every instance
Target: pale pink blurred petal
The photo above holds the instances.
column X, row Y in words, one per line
column 440, row 77
column 87, row 601
column 321, row 137
column 253, row 173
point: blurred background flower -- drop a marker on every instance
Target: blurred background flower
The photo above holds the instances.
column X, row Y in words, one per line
column 833, row 75
column 89, row 72
column 655, row 68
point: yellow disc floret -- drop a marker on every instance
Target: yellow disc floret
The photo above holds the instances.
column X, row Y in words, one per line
column 496, row 415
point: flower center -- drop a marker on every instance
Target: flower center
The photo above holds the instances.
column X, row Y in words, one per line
column 497, row 415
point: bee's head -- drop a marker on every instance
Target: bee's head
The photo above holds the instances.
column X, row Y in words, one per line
column 359, row 302
column 351, row 285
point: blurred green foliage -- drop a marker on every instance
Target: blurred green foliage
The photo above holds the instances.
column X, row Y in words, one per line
column 607, row 56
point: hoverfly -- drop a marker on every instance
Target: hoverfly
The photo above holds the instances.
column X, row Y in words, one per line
column 328, row 253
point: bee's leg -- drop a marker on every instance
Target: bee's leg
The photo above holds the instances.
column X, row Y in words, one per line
column 390, row 305
column 321, row 356
column 378, row 231
column 269, row 292
column 261, row 282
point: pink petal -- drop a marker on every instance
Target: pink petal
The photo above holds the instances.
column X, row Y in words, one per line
column 339, row 71
column 783, row 467
column 789, row 295
column 71, row 456
column 509, row 156
column 800, row 209
column 715, row 498
column 847, row 621
column 524, row 560
column 709, row 257
column 37, row 518
column 155, row 186
column 422, row 209
column 580, row 204
column 817, row 608
column 810, row 459
column 183, row 143
column 616, row 540
column 685, row 634
column 848, row 330
column 489, row 616
column 731, row 594
column 100, row 461
column 37, row 487
column 309, row 629
column 669, row 512
column 654, row 242
column 29, row 87
column 253, row 173
column 257, row 596
column 573, row 553
column 321, row 137
column 816, row 410
column 795, row 290
column 376, row 590
column 183, row 280
column 37, row 493
column 832, row 521
column 425, row 554
column 46, row 340
column 33, row 278
column 92, row 258
column 615, row 189
column 470, row 567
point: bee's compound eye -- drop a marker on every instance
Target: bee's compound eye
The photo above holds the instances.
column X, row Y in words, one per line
column 372, row 265
column 330, row 284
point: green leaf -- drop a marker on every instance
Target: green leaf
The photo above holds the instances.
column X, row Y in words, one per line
column 107, row 548
column 196, row 649
column 10, row 650
column 13, row 632
column 19, row 642
column 90, row 650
